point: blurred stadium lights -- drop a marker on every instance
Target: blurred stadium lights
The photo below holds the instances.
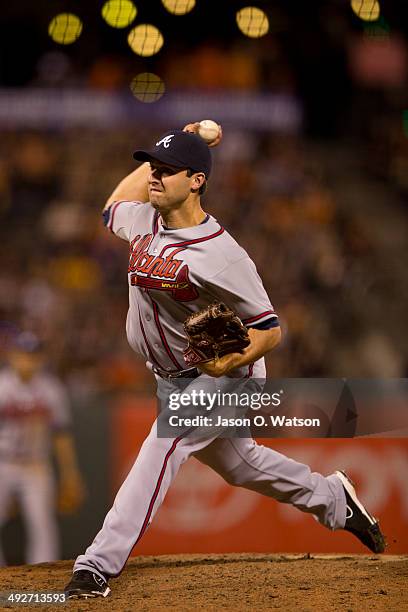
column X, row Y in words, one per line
column 65, row 28
column 145, row 40
column 367, row 10
column 119, row 13
column 179, row 7
column 252, row 22
column 147, row 87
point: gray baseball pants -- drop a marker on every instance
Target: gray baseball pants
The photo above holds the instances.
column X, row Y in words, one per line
column 240, row 461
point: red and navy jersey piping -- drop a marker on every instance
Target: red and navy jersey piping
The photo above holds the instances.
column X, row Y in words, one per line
column 162, row 334
column 250, row 320
column 207, row 218
column 108, row 215
column 187, row 243
column 269, row 323
column 156, row 490
column 157, row 487
column 149, row 348
column 155, row 225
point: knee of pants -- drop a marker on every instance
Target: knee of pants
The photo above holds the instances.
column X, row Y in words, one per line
column 237, row 477
column 248, row 469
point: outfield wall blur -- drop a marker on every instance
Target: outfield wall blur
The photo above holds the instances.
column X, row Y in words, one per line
column 201, row 513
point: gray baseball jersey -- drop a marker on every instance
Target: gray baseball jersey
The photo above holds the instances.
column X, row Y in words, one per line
column 174, row 272
column 29, row 411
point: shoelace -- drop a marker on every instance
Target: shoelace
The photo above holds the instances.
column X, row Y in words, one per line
column 348, row 509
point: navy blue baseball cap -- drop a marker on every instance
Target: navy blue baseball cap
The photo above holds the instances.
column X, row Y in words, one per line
column 179, row 149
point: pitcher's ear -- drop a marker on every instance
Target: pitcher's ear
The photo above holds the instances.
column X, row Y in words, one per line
column 198, row 180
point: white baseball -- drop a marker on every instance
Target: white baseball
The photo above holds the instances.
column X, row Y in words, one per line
column 208, row 130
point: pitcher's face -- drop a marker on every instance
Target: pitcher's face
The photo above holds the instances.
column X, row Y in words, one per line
column 169, row 186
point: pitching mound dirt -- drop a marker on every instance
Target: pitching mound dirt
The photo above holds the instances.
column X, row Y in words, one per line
column 232, row 582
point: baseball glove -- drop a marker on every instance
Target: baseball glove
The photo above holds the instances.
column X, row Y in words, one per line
column 213, row 332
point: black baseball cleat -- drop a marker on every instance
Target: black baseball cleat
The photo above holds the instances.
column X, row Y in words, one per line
column 359, row 521
column 85, row 583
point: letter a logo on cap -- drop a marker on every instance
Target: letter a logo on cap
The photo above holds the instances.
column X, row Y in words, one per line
column 165, row 141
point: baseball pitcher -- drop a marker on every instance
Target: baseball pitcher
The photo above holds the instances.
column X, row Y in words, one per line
column 183, row 264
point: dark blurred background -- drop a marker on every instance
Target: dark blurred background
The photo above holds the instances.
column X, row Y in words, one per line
column 311, row 176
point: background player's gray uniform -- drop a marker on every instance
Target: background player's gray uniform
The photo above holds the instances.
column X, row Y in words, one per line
column 173, row 272
column 29, row 413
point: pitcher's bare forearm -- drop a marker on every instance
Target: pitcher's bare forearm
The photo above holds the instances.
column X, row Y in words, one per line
column 262, row 341
column 133, row 187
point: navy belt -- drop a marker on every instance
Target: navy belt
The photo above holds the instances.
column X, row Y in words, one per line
column 189, row 373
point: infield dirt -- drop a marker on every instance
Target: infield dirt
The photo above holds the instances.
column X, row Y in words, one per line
column 232, row 582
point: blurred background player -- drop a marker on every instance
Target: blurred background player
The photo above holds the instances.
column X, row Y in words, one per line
column 34, row 413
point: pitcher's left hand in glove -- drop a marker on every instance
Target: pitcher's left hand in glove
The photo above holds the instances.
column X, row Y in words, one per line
column 213, row 332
